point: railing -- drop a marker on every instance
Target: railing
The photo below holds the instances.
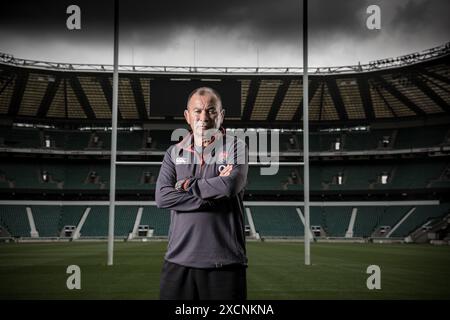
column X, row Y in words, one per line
column 400, row 61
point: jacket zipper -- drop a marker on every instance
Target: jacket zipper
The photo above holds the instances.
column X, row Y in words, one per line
column 202, row 162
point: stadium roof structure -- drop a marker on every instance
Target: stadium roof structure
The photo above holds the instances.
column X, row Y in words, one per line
column 414, row 86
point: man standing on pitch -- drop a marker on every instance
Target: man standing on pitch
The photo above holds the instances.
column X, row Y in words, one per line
column 202, row 182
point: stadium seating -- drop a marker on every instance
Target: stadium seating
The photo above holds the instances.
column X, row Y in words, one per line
column 403, row 138
column 270, row 221
column 125, row 216
column 70, row 216
column 156, row 219
column 20, row 138
column 419, row 217
column 277, row 221
column 96, row 224
column 47, row 220
column 14, row 220
column 83, row 175
column 336, row 220
column 421, row 137
column 95, row 176
column 367, row 219
column 130, row 140
column 365, row 140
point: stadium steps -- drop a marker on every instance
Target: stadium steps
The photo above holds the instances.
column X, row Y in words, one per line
column 433, row 227
column 389, row 217
column 419, row 217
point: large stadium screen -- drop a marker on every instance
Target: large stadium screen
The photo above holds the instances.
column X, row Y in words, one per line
column 168, row 97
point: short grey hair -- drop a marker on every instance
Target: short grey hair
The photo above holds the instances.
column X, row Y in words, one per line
column 205, row 90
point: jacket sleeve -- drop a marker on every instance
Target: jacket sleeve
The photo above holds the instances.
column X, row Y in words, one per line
column 167, row 197
column 220, row 187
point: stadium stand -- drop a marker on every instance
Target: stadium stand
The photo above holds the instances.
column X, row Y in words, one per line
column 124, row 221
column 336, row 220
column 70, row 216
column 367, row 220
column 420, row 216
column 14, row 219
column 366, row 176
column 156, row 219
column 47, row 220
column 398, row 139
column 371, row 139
column 96, row 224
column 277, row 221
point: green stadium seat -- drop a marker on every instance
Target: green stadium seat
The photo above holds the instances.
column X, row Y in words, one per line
column 336, row 220
column 14, row 219
column 421, row 137
column 419, row 217
column 277, row 221
column 157, row 219
column 96, row 224
column 47, row 220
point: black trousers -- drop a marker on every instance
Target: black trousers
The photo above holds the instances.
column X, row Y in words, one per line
column 185, row 283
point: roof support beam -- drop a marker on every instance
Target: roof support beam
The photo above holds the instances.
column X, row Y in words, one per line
column 434, row 75
column 322, row 91
column 7, row 83
column 363, row 85
column 251, row 98
column 430, row 93
column 377, row 89
column 138, row 97
column 337, row 99
column 47, row 100
column 313, row 86
column 107, row 91
column 81, row 96
column 19, row 89
column 278, row 100
column 398, row 95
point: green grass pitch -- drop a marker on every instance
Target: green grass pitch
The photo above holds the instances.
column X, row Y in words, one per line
column 276, row 271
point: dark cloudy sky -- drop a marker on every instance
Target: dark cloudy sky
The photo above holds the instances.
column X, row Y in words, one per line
column 222, row 32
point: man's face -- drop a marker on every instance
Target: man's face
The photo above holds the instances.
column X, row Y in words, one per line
column 205, row 115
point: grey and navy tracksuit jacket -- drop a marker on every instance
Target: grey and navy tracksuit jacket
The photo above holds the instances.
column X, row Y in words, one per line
column 207, row 219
